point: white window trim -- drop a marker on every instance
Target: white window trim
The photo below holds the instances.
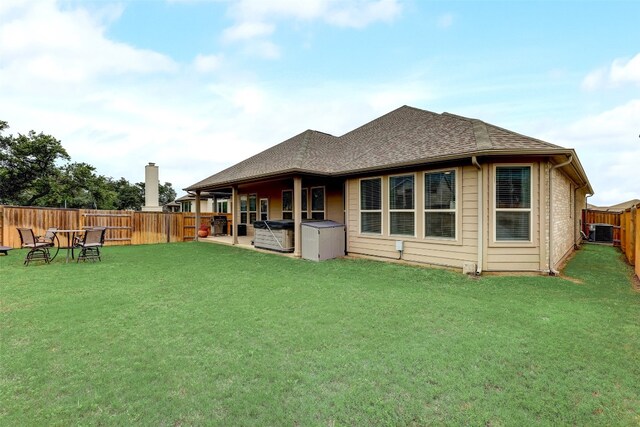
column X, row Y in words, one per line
column 249, row 211
column 456, row 210
column 260, row 208
column 360, row 210
column 415, row 225
column 495, row 209
column 246, row 211
column 310, row 202
column 305, row 212
column 282, row 202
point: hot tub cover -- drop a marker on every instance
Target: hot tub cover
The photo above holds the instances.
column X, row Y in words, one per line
column 273, row 224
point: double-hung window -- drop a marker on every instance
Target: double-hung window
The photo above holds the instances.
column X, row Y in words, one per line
column 305, row 204
column 317, row 203
column 253, row 208
column 402, row 205
column 440, row 204
column 243, row 209
column 264, row 209
column 513, row 203
column 371, row 205
column 287, row 204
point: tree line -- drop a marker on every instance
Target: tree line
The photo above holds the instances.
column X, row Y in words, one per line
column 36, row 170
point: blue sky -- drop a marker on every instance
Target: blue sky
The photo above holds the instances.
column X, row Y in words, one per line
column 196, row 86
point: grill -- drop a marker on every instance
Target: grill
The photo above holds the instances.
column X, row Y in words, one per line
column 219, row 225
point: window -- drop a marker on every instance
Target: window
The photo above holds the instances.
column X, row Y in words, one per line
column 222, row 206
column 305, row 204
column 186, row 206
column 264, row 209
column 287, row 204
column 402, row 205
column 371, row 205
column 317, row 203
column 253, row 208
column 440, row 204
column 243, row 209
column 513, row 203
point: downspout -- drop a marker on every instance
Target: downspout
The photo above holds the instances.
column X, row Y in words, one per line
column 575, row 194
column 552, row 271
column 474, row 160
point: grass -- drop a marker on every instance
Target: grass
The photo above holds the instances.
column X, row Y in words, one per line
column 199, row 334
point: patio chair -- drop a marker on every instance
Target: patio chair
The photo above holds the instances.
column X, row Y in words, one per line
column 91, row 243
column 38, row 251
column 50, row 238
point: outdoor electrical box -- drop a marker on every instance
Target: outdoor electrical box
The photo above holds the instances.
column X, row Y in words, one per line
column 400, row 245
column 322, row 240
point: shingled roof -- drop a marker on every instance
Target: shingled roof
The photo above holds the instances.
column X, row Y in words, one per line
column 403, row 137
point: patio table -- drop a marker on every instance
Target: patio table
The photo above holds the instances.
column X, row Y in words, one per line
column 70, row 237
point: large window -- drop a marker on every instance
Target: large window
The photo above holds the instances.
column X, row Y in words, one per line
column 222, row 206
column 402, row 205
column 287, row 204
column 264, row 209
column 513, row 203
column 371, row 205
column 317, row 203
column 243, row 209
column 440, row 204
column 305, row 203
column 253, row 208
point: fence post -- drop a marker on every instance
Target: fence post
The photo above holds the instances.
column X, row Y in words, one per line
column 632, row 236
column 1, row 225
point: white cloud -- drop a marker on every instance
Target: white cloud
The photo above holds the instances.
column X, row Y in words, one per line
column 207, row 63
column 620, row 72
column 608, row 146
column 362, row 13
column 40, row 43
column 256, row 19
column 246, row 31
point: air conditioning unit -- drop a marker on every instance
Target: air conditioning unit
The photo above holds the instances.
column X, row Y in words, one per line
column 601, row 233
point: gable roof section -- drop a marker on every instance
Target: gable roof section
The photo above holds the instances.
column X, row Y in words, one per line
column 294, row 154
column 405, row 136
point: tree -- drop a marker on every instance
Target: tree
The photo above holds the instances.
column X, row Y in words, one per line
column 166, row 193
column 35, row 170
column 28, row 171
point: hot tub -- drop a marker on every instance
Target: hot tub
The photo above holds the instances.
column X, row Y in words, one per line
column 275, row 235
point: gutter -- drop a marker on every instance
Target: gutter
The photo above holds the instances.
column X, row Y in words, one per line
column 552, row 271
column 474, row 160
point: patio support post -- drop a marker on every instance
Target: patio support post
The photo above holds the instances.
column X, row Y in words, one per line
column 195, row 237
column 297, row 216
column 234, row 213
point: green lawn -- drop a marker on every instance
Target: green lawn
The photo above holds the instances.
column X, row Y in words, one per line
column 196, row 334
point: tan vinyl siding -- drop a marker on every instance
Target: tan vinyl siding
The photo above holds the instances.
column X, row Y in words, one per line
column 418, row 249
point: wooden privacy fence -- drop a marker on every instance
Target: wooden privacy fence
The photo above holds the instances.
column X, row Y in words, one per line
column 630, row 236
column 123, row 227
column 599, row 217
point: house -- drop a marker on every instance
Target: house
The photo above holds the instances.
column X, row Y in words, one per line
column 620, row 207
column 437, row 189
column 209, row 202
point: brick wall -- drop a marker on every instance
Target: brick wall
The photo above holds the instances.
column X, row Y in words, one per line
column 564, row 216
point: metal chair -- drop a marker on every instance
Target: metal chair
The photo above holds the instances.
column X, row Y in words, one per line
column 51, row 238
column 38, row 251
column 91, row 243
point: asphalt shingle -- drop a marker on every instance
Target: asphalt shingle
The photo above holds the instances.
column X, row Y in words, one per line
column 404, row 136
